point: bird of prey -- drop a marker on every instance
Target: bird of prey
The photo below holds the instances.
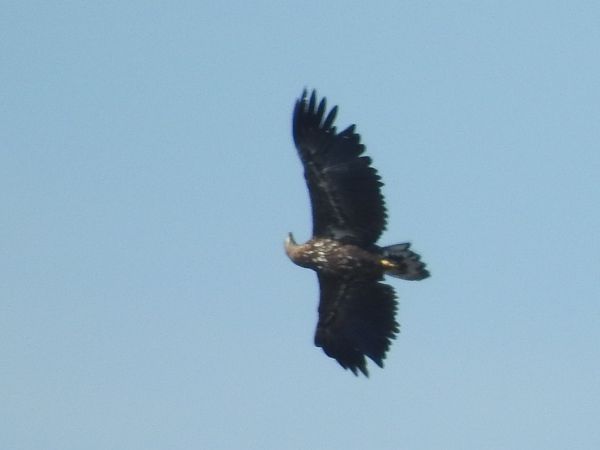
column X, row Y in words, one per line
column 356, row 309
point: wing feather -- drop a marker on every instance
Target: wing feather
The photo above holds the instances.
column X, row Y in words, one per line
column 345, row 191
column 356, row 319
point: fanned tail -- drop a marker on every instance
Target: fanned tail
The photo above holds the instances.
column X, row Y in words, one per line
column 401, row 262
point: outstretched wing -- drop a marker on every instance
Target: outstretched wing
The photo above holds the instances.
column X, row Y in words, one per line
column 344, row 189
column 356, row 319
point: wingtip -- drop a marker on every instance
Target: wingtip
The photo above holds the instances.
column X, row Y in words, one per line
column 312, row 98
column 312, row 101
column 357, row 370
column 302, row 100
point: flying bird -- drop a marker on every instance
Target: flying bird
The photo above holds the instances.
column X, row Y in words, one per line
column 356, row 309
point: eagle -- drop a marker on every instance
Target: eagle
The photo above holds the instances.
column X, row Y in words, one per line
column 357, row 311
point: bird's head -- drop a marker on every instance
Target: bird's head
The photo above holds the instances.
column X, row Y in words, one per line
column 289, row 240
column 290, row 244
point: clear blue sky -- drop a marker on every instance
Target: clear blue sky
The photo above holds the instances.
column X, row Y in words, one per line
column 148, row 178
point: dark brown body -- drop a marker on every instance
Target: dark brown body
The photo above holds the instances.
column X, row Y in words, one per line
column 331, row 257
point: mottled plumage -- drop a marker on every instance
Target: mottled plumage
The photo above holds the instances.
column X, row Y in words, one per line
column 356, row 310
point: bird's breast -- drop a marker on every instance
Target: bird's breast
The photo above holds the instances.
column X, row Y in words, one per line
column 332, row 257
